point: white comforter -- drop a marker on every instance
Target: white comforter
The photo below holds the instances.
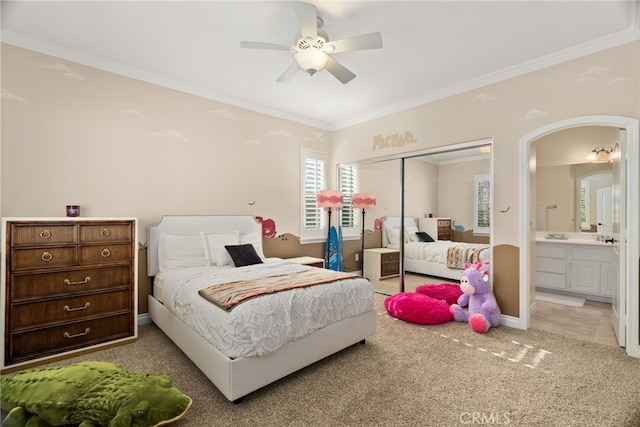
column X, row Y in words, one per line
column 428, row 251
column 260, row 325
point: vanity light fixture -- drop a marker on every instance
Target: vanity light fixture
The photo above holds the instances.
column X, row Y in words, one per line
column 600, row 155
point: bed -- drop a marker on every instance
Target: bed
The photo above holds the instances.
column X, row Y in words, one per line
column 441, row 258
column 193, row 323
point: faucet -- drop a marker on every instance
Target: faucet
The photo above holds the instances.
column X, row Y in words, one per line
column 609, row 240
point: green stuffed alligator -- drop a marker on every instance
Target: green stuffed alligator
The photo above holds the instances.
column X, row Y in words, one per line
column 90, row 394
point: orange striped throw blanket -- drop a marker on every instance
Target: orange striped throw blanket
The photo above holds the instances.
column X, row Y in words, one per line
column 459, row 255
column 228, row 295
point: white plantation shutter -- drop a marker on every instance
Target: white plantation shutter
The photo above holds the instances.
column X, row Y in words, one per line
column 348, row 184
column 585, row 202
column 482, row 205
column 313, row 180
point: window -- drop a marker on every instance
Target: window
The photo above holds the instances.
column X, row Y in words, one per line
column 348, row 184
column 584, row 204
column 482, row 205
column 313, row 176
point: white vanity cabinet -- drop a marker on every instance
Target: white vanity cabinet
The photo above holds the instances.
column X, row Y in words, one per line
column 551, row 266
column 592, row 270
column 575, row 268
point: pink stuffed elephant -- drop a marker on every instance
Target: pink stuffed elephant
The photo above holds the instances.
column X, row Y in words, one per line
column 483, row 311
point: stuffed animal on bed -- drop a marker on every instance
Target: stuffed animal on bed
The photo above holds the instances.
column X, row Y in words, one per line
column 483, row 311
column 90, row 394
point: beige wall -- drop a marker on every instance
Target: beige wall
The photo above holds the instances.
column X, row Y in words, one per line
column 604, row 83
column 457, row 182
column 117, row 146
column 121, row 147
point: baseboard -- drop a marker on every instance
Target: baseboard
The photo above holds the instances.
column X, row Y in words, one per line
column 143, row 319
column 510, row 321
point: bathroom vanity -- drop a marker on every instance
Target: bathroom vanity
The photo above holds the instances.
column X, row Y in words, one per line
column 575, row 265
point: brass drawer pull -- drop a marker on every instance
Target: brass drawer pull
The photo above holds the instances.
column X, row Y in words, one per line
column 105, row 232
column 45, row 234
column 106, row 253
column 86, row 305
column 82, row 282
column 46, row 256
column 68, row 335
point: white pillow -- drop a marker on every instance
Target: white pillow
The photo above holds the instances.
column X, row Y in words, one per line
column 411, row 235
column 180, row 251
column 393, row 235
column 214, row 246
column 255, row 238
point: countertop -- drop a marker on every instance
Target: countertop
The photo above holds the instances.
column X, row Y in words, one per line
column 576, row 241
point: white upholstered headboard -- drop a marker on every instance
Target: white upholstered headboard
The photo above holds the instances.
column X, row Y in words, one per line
column 394, row 222
column 192, row 225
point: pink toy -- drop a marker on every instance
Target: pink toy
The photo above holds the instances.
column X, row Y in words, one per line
column 417, row 308
column 483, row 311
column 447, row 292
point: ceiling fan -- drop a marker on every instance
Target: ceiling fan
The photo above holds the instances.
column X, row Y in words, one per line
column 313, row 47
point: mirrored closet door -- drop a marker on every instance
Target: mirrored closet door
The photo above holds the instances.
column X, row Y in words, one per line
column 437, row 198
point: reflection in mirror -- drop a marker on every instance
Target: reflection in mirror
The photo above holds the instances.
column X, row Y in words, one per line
column 382, row 179
column 594, row 203
column 439, row 197
column 569, row 185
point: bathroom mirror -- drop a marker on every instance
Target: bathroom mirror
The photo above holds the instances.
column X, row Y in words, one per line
column 568, row 184
column 594, row 203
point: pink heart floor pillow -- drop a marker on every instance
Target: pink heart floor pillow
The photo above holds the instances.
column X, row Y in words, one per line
column 447, row 292
column 418, row 308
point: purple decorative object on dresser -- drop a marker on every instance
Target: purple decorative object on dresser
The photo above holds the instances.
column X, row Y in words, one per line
column 73, row 210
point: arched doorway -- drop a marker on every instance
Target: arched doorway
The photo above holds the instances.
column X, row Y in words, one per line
column 628, row 286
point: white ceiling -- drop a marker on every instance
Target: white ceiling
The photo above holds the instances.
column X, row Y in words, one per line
column 431, row 49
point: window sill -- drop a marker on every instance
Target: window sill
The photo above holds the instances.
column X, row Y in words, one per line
column 313, row 240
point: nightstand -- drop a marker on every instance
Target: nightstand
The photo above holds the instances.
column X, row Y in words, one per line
column 308, row 260
column 381, row 263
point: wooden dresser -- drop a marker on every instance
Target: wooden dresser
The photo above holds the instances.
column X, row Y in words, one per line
column 68, row 285
column 437, row 228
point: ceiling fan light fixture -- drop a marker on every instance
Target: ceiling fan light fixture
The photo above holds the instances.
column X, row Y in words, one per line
column 311, row 60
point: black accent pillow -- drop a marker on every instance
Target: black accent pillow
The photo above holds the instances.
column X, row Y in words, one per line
column 243, row 254
column 424, row 237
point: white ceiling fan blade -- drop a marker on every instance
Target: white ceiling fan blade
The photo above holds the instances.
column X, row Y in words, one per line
column 260, row 45
column 339, row 71
column 289, row 73
column 307, row 19
column 365, row 41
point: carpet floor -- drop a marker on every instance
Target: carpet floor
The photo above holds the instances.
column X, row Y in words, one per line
column 413, row 375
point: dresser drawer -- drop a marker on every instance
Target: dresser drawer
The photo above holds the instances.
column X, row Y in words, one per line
column 390, row 257
column 90, row 233
column 42, row 234
column 56, row 339
column 44, row 313
column 104, row 253
column 24, row 259
column 389, row 268
column 42, row 285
